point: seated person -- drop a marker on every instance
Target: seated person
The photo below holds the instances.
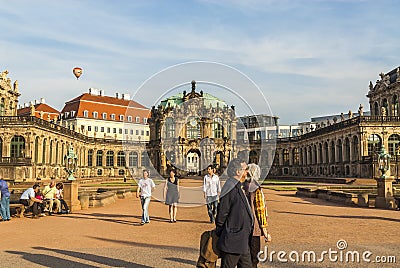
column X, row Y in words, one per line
column 28, row 199
column 59, row 195
column 49, row 193
column 41, row 206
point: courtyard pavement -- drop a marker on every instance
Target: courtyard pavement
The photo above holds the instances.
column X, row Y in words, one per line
column 112, row 236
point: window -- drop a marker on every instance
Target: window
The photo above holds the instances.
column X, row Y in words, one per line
column 120, row 131
column 374, row 144
column 142, row 132
column 133, row 159
column 66, row 114
column 96, row 129
column 90, row 158
column 147, row 133
column 145, row 120
column 193, row 128
column 72, row 113
column 137, row 132
column 145, row 159
column 137, row 119
column 99, row 158
column 121, row 117
column 114, row 130
column 104, row 115
column 129, row 118
column 169, row 128
column 108, row 130
column 126, row 132
column 112, row 116
column 217, row 128
column 110, row 159
column 121, row 159
column 95, row 114
column 89, row 128
column 18, row 146
column 86, row 113
column 101, row 129
column 131, row 131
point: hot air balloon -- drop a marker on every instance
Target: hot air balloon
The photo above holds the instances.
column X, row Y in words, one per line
column 77, row 72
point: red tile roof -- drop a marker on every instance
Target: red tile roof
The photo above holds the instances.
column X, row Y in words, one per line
column 105, row 104
column 41, row 108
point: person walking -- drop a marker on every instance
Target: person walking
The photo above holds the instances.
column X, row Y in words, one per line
column 171, row 194
column 234, row 221
column 256, row 199
column 144, row 189
column 4, row 201
column 212, row 190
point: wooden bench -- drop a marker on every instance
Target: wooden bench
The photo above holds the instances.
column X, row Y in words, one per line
column 20, row 208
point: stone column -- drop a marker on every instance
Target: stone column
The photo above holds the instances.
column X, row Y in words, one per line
column 385, row 193
column 71, row 195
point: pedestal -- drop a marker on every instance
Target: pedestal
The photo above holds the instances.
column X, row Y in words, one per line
column 385, row 193
column 71, row 195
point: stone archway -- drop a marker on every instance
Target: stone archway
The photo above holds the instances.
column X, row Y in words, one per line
column 193, row 162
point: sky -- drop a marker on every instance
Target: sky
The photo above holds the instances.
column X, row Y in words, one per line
column 308, row 58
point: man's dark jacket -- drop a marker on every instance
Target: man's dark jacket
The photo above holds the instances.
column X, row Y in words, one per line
column 234, row 222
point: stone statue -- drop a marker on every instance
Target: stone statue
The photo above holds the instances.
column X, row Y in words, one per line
column 16, row 86
column 41, row 114
column 4, row 75
column 334, row 120
column 382, row 75
column 328, row 123
column 383, row 111
column 350, row 114
column 32, row 110
column 371, row 86
column 360, row 110
column 341, row 117
column 48, row 117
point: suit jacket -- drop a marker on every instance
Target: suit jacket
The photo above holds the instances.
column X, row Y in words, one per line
column 234, row 222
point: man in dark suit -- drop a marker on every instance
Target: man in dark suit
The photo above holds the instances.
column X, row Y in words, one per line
column 234, row 222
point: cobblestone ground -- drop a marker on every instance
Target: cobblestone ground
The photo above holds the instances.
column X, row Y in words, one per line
column 112, row 236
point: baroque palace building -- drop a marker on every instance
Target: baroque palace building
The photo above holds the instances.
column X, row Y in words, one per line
column 190, row 131
column 347, row 146
column 34, row 140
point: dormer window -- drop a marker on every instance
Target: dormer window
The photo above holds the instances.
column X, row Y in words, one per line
column 95, row 114
column 104, row 115
column 145, row 120
column 112, row 116
column 129, row 118
column 121, row 117
column 66, row 114
column 72, row 113
column 86, row 113
column 137, row 119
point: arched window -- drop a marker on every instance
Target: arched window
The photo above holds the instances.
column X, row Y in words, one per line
column 374, row 144
column 133, row 159
column 99, row 158
column 44, row 151
column 295, row 155
column 169, row 128
column 320, row 155
column 326, row 149
column 90, row 158
column 376, row 109
column 356, row 149
column 51, row 153
column 339, row 152
column 228, row 129
column 285, row 157
column 386, row 105
column 393, row 144
column 57, row 152
column 346, row 150
column 218, row 129
column 395, row 105
column 17, row 146
column 37, row 150
column 110, row 159
column 333, row 157
column 121, row 159
column 193, row 128
column 145, row 159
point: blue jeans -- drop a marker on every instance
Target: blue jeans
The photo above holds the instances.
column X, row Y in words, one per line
column 212, row 204
column 145, row 206
column 5, row 208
